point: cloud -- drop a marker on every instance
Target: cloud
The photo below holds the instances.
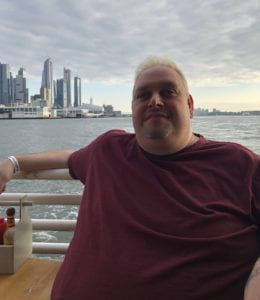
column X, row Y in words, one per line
column 214, row 41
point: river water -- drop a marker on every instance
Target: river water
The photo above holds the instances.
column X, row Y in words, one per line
column 28, row 136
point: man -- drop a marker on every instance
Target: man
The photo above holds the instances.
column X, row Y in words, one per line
column 166, row 214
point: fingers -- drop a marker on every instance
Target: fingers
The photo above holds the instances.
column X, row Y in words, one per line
column 2, row 189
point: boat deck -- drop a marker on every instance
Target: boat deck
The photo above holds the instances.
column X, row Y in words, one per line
column 33, row 280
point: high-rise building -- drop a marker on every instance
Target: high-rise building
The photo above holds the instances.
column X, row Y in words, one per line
column 77, row 92
column 11, row 89
column 61, row 94
column 47, row 82
column 6, row 91
column 20, row 89
column 67, row 80
column 55, row 92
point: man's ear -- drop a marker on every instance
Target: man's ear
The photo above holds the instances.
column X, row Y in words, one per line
column 191, row 105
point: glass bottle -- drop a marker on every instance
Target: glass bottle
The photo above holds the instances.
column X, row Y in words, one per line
column 9, row 233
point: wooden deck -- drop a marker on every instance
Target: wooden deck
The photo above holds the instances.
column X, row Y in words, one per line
column 33, row 280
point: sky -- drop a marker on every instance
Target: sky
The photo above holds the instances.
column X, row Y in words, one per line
column 215, row 42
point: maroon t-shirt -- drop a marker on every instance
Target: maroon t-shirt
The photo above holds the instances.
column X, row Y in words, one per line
column 183, row 226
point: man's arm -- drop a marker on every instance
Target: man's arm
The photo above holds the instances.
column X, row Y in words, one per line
column 252, row 288
column 33, row 162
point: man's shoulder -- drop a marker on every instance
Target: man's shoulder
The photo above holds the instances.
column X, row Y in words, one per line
column 230, row 147
column 208, row 143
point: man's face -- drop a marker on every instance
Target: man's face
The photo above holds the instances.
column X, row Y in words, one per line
column 161, row 106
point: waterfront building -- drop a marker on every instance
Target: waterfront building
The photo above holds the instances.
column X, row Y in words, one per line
column 25, row 111
column 77, row 91
column 93, row 110
column 6, row 87
column 200, row 112
column 20, row 88
column 110, row 112
column 70, row 112
column 47, row 82
column 67, row 80
column 61, row 101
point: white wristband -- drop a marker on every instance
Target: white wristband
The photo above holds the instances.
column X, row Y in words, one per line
column 15, row 163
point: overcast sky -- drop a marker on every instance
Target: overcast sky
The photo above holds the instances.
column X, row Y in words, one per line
column 215, row 42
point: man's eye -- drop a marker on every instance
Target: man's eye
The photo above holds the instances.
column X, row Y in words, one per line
column 168, row 92
column 143, row 96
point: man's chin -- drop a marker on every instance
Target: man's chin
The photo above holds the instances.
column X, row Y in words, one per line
column 156, row 133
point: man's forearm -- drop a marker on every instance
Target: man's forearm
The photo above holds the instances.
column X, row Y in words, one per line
column 44, row 160
column 32, row 162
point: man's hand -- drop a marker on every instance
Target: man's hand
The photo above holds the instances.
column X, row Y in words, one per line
column 6, row 173
column 252, row 289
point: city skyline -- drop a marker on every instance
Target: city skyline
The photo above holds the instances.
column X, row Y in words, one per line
column 62, row 86
column 55, row 92
column 215, row 43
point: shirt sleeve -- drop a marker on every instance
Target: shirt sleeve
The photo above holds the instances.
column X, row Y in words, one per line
column 80, row 160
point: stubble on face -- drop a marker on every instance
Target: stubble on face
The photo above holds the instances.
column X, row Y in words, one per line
column 158, row 126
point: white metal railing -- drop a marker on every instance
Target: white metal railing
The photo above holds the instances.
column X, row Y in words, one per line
column 12, row 199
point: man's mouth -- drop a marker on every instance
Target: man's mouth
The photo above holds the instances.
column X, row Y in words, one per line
column 155, row 115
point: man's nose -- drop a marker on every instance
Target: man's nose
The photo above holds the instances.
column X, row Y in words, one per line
column 156, row 101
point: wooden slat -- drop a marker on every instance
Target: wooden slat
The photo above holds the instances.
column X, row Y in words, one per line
column 33, row 280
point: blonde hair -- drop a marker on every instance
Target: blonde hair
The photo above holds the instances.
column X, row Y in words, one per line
column 153, row 61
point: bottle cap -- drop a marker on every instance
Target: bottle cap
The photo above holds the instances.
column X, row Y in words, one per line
column 10, row 212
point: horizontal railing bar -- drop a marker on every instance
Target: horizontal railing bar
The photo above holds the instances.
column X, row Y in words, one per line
column 51, row 174
column 53, row 224
column 13, row 202
column 49, row 248
column 40, row 198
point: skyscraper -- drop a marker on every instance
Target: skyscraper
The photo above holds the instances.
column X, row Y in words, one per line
column 67, row 80
column 61, row 94
column 20, row 89
column 47, row 82
column 6, row 95
column 77, row 92
column 55, row 92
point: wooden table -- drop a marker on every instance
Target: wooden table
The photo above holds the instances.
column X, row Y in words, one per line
column 33, row 280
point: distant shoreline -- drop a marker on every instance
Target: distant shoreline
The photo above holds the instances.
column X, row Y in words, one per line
column 209, row 115
column 44, row 118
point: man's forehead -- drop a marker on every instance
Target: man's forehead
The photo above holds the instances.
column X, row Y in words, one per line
column 158, row 75
column 157, row 79
column 156, row 84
